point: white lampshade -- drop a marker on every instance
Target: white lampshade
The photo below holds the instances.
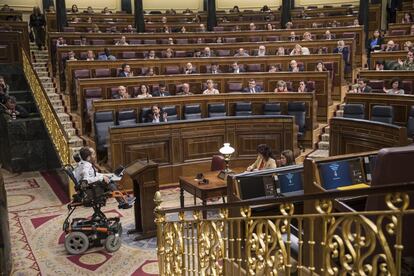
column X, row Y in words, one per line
column 226, row 149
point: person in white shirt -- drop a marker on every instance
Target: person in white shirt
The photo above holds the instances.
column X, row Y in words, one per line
column 122, row 41
column 85, row 171
column 262, row 51
column 210, row 88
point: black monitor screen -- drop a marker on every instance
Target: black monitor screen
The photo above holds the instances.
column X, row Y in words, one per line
column 256, row 186
column 290, row 181
column 341, row 173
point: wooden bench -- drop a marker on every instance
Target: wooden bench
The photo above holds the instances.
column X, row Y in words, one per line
column 406, row 27
column 353, row 136
column 387, row 56
column 266, row 80
column 19, row 26
column 185, row 148
column 406, row 77
column 257, row 100
column 160, row 66
column 400, row 103
column 242, row 36
column 10, row 44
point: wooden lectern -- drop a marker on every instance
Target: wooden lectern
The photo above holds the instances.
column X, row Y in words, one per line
column 142, row 177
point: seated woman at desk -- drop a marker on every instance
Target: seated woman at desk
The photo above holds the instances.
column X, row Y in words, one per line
column 264, row 159
column 286, row 158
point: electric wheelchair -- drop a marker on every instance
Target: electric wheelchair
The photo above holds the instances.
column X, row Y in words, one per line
column 82, row 233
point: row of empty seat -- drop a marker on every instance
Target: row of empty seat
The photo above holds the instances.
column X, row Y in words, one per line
column 379, row 113
column 105, row 119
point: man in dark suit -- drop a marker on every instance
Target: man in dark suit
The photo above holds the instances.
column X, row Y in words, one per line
column 214, row 69
column 363, row 87
column 156, row 115
column 207, row 52
column 236, row 68
column 189, row 69
column 253, row 88
column 161, row 92
column 126, row 71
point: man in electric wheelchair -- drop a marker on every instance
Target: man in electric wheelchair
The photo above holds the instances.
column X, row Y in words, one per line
column 92, row 190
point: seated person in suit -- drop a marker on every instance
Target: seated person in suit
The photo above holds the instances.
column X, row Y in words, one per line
column 143, row 92
column 169, row 53
column 83, row 41
column 85, row 170
column 292, row 36
column 299, row 50
column 274, row 69
column 156, row 115
column 281, row 51
column 408, row 64
column 262, row 51
column 286, row 158
column 151, row 55
column 207, row 52
column 185, row 90
column 122, row 93
column 362, row 87
column 150, row 72
column 294, row 67
column 328, row 35
column 161, row 92
column 253, row 88
column 395, row 88
column 236, row 68
column 264, row 159
column 122, row 41
column 302, row 87
column 4, row 90
column 189, row 69
column 289, row 25
column 106, row 11
column 129, row 29
column 12, row 110
column 252, row 27
column 214, row 69
column 202, row 28
column 241, row 53
column 281, row 86
column 320, row 67
column 210, row 88
column 390, row 46
column 342, row 50
column 125, row 71
column 106, row 55
column 90, row 55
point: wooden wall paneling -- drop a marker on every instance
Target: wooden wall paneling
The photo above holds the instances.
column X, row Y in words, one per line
column 353, row 135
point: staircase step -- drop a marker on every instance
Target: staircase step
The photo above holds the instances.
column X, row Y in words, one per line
column 323, row 145
column 40, row 69
column 41, row 59
column 76, row 141
column 67, row 124
column 327, row 129
column 48, row 85
column 70, row 131
column 50, row 90
column 59, row 109
column 53, row 97
column 64, row 117
column 341, row 106
column 42, row 74
column 39, row 64
column 325, row 137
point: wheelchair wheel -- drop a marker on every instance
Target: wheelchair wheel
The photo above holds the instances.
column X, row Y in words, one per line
column 76, row 243
column 113, row 243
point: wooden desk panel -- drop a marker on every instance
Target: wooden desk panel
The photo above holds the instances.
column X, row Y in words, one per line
column 20, row 27
column 268, row 81
column 229, row 100
column 401, row 104
column 309, row 62
column 184, row 148
column 387, row 56
column 10, row 44
column 353, row 136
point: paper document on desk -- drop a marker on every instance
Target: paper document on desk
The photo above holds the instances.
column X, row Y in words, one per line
column 352, row 187
column 112, row 176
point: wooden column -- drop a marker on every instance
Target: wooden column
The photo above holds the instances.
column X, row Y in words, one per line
column 61, row 18
column 286, row 6
column 211, row 15
column 139, row 16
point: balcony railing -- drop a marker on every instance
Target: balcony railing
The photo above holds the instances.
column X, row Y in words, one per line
column 236, row 239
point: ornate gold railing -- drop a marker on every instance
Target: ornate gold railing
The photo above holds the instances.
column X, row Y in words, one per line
column 235, row 242
column 50, row 118
column 54, row 127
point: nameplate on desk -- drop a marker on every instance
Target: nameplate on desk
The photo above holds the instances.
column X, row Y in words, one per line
column 353, row 187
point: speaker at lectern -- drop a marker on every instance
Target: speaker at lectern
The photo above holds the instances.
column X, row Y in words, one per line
column 142, row 177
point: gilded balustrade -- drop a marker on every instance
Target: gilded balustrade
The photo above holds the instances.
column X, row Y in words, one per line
column 345, row 243
column 55, row 129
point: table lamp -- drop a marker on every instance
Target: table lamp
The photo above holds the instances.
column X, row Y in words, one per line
column 226, row 151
